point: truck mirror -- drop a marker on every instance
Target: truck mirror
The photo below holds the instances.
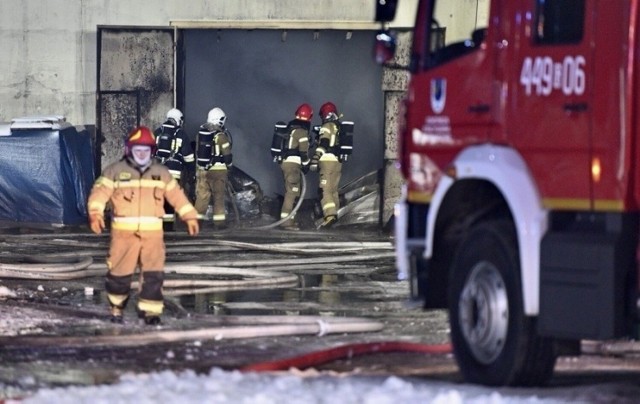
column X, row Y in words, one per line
column 385, row 46
column 386, row 10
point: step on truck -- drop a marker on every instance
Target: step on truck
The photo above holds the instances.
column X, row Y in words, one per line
column 519, row 147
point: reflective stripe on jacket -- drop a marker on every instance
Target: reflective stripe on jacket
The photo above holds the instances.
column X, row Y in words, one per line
column 137, row 199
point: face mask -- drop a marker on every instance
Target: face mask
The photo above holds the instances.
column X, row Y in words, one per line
column 141, row 155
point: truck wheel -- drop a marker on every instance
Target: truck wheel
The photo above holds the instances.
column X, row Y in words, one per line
column 494, row 342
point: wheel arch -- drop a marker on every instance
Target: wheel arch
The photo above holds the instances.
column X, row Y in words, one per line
column 489, row 181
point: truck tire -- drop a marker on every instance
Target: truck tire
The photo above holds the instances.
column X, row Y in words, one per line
column 493, row 341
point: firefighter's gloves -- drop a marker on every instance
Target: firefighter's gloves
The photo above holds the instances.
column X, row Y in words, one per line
column 228, row 160
column 193, row 228
column 96, row 222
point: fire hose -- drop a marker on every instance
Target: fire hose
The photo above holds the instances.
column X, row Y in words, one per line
column 268, row 326
column 317, row 358
column 292, row 214
column 71, row 265
column 84, row 267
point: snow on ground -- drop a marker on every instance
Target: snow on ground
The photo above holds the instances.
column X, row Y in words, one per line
column 6, row 292
column 222, row 387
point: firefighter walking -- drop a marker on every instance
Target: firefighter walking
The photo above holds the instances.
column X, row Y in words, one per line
column 290, row 148
column 137, row 187
column 333, row 148
column 214, row 157
column 175, row 152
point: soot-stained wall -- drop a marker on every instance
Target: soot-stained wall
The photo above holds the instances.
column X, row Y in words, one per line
column 259, row 77
column 135, row 83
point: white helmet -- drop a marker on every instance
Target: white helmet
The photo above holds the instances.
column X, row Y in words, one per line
column 176, row 115
column 217, row 117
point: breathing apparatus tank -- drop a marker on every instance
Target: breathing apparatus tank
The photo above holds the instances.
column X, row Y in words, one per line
column 279, row 140
column 204, row 148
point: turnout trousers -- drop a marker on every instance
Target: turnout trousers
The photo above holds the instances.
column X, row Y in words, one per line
column 292, row 179
column 211, row 184
column 130, row 250
column 330, row 173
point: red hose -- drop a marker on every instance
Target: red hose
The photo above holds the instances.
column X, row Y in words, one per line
column 345, row 351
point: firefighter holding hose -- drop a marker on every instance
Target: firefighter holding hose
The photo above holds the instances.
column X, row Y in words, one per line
column 290, row 149
column 137, row 187
column 335, row 143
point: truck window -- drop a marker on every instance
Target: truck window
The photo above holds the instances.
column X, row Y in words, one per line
column 453, row 28
column 559, row 21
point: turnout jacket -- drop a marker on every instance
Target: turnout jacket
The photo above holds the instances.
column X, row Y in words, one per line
column 297, row 147
column 328, row 142
column 137, row 198
column 213, row 148
column 176, row 151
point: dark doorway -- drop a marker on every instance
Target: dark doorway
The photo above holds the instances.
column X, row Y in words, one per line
column 259, row 77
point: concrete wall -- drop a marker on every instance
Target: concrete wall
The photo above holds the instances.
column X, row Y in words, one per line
column 394, row 85
column 49, row 46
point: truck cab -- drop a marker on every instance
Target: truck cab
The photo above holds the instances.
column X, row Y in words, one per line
column 519, row 149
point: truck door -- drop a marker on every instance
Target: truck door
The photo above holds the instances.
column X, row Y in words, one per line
column 548, row 113
column 453, row 73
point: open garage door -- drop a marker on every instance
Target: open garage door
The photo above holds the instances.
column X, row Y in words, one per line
column 259, row 77
column 135, row 84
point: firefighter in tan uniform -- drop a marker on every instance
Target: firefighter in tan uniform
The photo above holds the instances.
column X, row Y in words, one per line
column 290, row 148
column 213, row 159
column 137, row 186
column 328, row 159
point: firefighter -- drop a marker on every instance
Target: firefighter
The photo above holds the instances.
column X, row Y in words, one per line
column 290, row 148
column 327, row 160
column 136, row 187
column 213, row 160
column 175, row 152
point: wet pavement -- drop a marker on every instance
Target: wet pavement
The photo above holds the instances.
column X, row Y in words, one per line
column 234, row 298
column 245, row 276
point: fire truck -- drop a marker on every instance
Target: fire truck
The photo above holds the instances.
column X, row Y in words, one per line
column 519, row 144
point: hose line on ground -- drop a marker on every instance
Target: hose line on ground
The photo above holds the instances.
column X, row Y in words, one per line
column 345, row 352
column 86, row 268
column 307, row 325
column 67, row 266
column 67, row 270
column 257, row 279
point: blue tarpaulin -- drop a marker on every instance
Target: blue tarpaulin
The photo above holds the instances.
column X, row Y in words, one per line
column 46, row 175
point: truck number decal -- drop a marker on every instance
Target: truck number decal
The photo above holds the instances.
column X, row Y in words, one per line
column 544, row 75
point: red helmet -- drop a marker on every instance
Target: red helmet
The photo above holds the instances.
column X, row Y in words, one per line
column 304, row 112
column 327, row 109
column 140, row 136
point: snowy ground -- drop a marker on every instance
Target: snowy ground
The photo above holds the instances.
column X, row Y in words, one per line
column 234, row 387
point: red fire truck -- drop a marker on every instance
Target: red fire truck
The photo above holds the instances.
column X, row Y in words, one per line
column 520, row 149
